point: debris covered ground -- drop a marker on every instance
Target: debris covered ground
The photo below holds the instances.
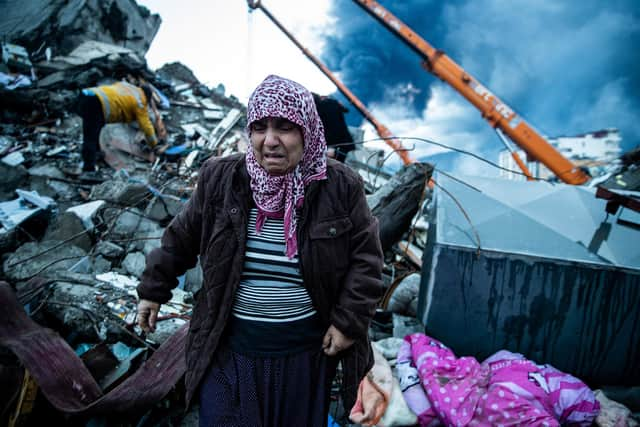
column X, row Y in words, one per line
column 74, row 250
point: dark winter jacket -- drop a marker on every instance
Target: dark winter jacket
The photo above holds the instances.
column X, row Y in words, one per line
column 339, row 253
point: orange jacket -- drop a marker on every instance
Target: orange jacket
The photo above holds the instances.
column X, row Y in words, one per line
column 123, row 102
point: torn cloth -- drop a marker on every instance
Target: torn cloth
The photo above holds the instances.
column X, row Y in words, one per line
column 380, row 401
column 504, row 389
column 64, row 379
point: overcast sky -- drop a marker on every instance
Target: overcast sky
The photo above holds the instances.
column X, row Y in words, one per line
column 567, row 67
column 223, row 43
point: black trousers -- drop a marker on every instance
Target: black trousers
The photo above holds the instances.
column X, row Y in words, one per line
column 90, row 109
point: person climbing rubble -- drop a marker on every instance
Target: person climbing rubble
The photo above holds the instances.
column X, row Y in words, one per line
column 120, row 102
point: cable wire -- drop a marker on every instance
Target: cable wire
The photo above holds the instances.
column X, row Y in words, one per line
column 448, row 147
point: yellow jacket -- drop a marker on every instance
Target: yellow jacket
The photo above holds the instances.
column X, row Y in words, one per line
column 123, row 103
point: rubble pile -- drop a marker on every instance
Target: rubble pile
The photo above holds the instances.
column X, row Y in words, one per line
column 73, row 249
column 61, row 25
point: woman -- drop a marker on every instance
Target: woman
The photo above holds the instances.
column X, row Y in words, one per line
column 292, row 271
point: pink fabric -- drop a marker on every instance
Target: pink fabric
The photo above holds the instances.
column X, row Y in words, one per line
column 280, row 196
column 506, row 389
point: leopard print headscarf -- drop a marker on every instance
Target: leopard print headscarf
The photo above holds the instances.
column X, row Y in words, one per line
column 280, row 196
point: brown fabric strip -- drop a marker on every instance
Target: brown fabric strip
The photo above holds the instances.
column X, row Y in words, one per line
column 64, row 379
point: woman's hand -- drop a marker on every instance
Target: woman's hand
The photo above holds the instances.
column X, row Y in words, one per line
column 147, row 315
column 335, row 341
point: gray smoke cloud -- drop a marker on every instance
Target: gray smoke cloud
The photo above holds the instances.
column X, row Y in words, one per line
column 567, row 67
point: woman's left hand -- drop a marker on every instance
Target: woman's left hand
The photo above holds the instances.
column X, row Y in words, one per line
column 335, row 341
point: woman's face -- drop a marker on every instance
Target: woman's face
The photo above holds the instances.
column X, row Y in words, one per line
column 277, row 144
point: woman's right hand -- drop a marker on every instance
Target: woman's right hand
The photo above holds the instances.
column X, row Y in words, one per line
column 147, row 315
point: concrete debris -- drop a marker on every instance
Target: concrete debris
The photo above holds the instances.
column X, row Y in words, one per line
column 33, row 258
column 404, row 299
column 101, row 265
column 134, row 263
column 108, row 250
column 121, row 191
column 63, row 25
column 15, row 212
column 67, row 225
column 164, row 207
column 46, row 171
column 16, row 57
column 87, row 212
column 12, row 177
column 131, row 222
column 13, row 81
column 14, row 159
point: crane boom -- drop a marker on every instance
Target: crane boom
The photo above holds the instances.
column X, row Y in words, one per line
column 497, row 113
column 381, row 129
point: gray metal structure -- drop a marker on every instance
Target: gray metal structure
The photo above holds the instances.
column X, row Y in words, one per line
column 534, row 268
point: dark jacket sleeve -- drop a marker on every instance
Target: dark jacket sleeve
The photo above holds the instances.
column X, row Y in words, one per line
column 179, row 248
column 362, row 287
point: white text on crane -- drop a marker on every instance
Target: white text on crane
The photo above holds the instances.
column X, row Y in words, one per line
column 499, row 106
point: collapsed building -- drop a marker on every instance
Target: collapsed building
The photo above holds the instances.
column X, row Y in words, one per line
column 73, row 250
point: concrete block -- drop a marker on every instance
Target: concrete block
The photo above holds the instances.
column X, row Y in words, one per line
column 66, row 256
column 134, row 263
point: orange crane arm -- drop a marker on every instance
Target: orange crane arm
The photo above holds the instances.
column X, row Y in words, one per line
column 382, row 130
column 497, row 113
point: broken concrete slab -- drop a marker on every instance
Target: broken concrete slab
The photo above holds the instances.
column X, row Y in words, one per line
column 101, row 265
column 84, row 266
column 65, row 25
column 120, row 190
column 177, row 71
column 87, row 212
column 66, row 225
column 46, row 171
column 131, row 222
column 108, row 250
column 12, row 177
column 165, row 207
column 41, row 258
column 91, row 50
column 149, row 240
column 13, row 159
column 134, row 263
column 48, row 180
